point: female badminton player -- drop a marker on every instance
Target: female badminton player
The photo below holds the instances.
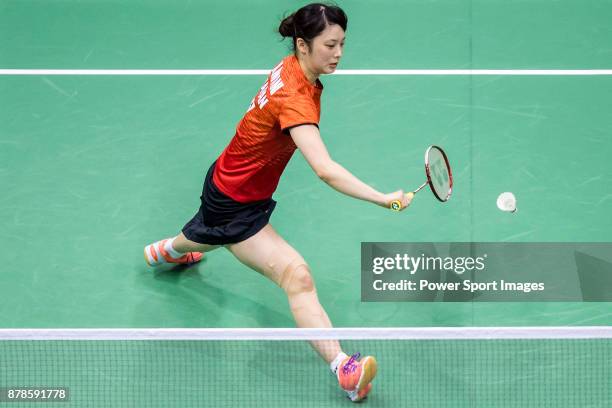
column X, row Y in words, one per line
column 236, row 201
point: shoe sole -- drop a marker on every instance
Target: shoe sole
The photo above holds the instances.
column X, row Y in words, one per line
column 369, row 366
column 145, row 256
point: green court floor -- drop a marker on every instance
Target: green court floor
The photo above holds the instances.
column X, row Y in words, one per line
column 95, row 167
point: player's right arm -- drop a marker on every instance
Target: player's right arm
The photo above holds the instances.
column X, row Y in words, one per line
column 308, row 139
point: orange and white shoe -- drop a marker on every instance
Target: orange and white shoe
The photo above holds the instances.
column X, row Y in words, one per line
column 355, row 376
column 155, row 254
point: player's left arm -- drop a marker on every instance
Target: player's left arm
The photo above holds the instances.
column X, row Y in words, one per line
column 308, row 139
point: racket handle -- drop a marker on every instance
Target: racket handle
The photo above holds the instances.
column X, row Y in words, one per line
column 396, row 205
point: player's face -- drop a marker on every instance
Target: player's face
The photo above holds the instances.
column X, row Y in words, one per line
column 326, row 50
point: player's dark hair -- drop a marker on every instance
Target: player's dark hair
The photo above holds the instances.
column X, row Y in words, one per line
column 309, row 21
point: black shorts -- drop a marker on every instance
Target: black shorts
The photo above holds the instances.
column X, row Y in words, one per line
column 221, row 220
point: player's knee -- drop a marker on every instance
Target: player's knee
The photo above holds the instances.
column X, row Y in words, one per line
column 304, row 282
column 297, row 279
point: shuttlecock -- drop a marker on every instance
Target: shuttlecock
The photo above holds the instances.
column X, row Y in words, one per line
column 506, row 202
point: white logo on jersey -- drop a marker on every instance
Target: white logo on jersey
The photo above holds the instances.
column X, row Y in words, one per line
column 262, row 98
column 277, row 83
column 273, row 84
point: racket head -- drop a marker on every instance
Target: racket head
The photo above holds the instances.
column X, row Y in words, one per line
column 439, row 174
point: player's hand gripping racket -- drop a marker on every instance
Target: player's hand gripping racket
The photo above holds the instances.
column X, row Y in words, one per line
column 439, row 176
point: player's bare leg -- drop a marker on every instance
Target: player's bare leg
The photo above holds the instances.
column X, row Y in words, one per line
column 268, row 253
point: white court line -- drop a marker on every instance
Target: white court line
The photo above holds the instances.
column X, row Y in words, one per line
column 353, row 333
column 405, row 72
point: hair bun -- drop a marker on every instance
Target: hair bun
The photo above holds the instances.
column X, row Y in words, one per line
column 286, row 28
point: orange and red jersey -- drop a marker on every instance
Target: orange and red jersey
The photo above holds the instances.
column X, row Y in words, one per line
column 251, row 165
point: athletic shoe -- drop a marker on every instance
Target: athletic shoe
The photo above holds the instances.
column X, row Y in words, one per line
column 155, row 254
column 355, row 376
